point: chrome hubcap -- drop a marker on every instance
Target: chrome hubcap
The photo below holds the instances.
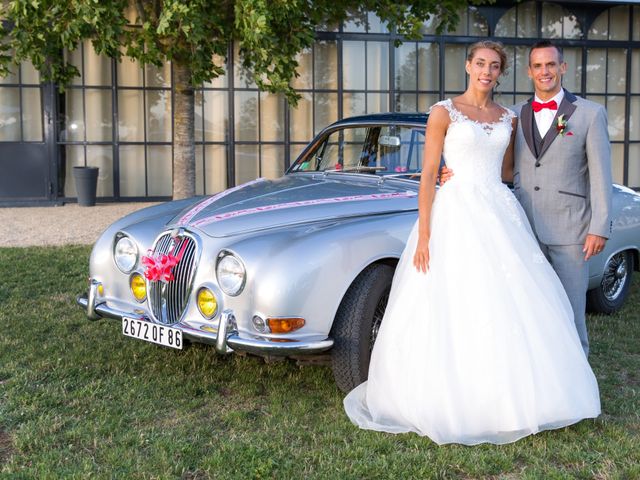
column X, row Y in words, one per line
column 615, row 275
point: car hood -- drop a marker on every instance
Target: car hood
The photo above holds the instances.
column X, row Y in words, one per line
column 295, row 199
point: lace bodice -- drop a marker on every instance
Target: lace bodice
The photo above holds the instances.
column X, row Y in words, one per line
column 474, row 150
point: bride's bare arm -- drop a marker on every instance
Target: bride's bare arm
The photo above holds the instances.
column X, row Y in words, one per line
column 436, row 130
column 507, row 161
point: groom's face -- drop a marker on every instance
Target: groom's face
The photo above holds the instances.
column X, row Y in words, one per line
column 546, row 70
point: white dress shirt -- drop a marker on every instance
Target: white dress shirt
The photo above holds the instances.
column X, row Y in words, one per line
column 544, row 118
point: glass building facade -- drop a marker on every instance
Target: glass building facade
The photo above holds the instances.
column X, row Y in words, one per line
column 118, row 115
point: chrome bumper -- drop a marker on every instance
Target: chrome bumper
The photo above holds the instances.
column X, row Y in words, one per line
column 225, row 340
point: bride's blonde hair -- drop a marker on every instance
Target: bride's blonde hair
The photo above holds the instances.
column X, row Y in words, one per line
column 491, row 45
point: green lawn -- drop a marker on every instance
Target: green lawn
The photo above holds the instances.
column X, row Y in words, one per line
column 78, row 400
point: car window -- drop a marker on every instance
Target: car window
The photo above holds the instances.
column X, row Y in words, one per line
column 379, row 149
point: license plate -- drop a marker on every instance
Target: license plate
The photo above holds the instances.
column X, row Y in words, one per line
column 152, row 332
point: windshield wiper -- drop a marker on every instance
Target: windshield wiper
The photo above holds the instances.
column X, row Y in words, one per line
column 361, row 168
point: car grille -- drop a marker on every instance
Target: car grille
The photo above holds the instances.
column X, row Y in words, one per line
column 168, row 300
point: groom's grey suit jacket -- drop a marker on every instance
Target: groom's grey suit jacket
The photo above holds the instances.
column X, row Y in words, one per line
column 563, row 182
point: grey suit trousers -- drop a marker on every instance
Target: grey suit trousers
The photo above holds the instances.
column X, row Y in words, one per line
column 573, row 271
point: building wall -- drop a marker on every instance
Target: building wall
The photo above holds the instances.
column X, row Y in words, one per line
column 118, row 116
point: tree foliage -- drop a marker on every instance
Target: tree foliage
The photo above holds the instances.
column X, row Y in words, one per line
column 195, row 36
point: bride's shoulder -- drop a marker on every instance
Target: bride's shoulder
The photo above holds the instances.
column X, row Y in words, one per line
column 442, row 109
column 507, row 113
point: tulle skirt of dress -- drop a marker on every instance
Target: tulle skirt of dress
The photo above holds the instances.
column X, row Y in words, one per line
column 483, row 347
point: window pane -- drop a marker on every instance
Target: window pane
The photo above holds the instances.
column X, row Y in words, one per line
column 199, row 170
column 159, row 170
column 301, row 119
column 29, row 74
column 73, row 128
column 478, row 25
column 617, row 70
column 520, row 65
column 12, row 77
column 573, row 78
column 198, row 116
column 101, row 156
column 247, row 167
column 634, row 119
column 304, row 80
column 636, row 24
column 454, row 74
column 97, row 68
column 461, row 27
column 271, row 117
column 527, row 19
column 158, row 115
column 295, row 150
column 73, row 156
column 375, row 25
column 507, row 79
column 222, row 80
column 617, row 162
column 377, row 102
column 354, row 104
column 325, row 71
column 406, row 102
column 619, row 19
column 406, row 61
column 129, row 72
column 215, row 168
column 246, row 116
column 353, row 59
column 634, row 165
column 599, row 29
column 377, row 65
column 506, row 26
column 557, row 22
column 242, row 78
column 158, row 76
column 75, row 58
column 428, row 66
column 10, row 114
column 132, row 171
column 635, row 70
column 216, row 116
column 356, row 23
column 426, row 101
column 615, row 112
column 99, row 114
column 272, row 160
column 31, row 114
column 325, row 110
column 596, row 70
column 130, row 115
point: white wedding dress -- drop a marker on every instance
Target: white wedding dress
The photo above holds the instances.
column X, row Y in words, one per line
column 483, row 347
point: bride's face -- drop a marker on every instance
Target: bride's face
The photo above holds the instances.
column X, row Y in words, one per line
column 484, row 69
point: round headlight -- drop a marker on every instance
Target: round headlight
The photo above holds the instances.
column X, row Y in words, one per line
column 231, row 274
column 125, row 254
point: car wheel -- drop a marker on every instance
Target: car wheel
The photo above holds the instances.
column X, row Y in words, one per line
column 356, row 325
column 610, row 295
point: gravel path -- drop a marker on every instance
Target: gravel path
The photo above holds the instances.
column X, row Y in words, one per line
column 66, row 225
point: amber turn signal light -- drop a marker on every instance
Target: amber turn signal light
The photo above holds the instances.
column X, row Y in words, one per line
column 138, row 287
column 285, row 325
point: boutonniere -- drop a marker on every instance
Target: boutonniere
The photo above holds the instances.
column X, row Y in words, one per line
column 561, row 126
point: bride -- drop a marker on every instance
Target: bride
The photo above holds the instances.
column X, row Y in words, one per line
column 478, row 342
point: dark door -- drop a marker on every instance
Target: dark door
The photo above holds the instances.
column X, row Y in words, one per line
column 27, row 165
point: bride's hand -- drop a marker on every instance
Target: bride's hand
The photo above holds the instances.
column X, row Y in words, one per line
column 421, row 257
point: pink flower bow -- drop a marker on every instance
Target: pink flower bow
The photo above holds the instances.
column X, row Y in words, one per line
column 159, row 267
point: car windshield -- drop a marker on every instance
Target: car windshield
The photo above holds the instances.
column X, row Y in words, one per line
column 378, row 149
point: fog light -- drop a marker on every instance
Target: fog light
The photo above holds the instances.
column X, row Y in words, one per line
column 138, row 287
column 207, row 303
column 101, row 290
column 285, row 325
column 260, row 324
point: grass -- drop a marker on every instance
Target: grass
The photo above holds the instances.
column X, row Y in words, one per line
column 79, row 400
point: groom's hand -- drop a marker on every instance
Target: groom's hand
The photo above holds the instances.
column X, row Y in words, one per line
column 593, row 245
column 445, row 175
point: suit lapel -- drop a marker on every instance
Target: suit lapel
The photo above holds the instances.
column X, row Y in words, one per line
column 527, row 125
column 566, row 108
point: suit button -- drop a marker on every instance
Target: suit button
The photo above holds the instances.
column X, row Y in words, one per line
column 536, row 188
column 537, row 164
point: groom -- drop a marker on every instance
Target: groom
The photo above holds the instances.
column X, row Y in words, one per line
column 562, row 175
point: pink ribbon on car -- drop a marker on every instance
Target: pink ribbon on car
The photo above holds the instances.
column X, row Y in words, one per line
column 159, row 268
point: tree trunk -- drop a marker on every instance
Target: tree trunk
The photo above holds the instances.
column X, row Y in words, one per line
column 184, row 150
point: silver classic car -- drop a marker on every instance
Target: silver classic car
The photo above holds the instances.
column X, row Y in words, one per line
column 301, row 265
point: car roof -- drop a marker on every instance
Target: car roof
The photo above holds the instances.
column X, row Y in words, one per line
column 389, row 117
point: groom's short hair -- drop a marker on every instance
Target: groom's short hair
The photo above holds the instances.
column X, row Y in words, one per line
column 547, row 44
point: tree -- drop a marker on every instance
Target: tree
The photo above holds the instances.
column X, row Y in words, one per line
column 194, row 35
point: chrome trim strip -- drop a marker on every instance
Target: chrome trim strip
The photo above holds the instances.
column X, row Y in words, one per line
column 256, row 345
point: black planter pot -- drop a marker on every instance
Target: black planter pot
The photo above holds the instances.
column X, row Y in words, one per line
column 86, row 179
